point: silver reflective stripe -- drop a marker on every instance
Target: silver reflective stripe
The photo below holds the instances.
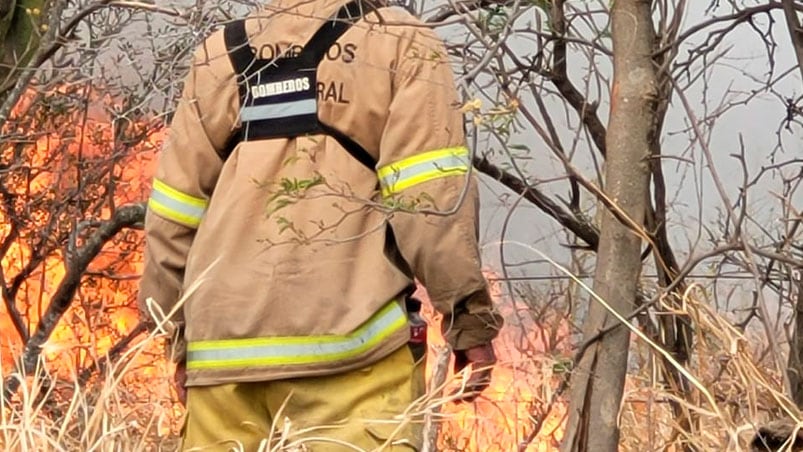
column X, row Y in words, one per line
column 447, row 163
column 235, row 353
column 397, row 177
column 282, row 110
column 188, row 210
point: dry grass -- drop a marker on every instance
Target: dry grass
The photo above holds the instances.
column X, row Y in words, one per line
column 131, row 407
column 745, row 387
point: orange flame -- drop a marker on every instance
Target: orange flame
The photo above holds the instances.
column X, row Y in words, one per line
column 502, row 419
column 104, row 312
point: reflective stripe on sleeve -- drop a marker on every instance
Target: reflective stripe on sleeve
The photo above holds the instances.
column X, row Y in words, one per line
column 296, row 350
column 423, row 167
column 169, row 203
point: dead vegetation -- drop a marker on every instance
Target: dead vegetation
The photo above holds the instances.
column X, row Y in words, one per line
column 735, row 396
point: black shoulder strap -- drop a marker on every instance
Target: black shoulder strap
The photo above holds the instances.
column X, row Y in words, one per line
column 240, row 54
column 334, row 28
column 316, row 49
column 243, row 59
column 351, row 146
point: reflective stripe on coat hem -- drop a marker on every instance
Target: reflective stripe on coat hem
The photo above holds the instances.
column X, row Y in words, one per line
column 207, row 377
column 303, row 350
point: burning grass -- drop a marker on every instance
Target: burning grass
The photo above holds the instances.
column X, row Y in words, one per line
column 129, row 408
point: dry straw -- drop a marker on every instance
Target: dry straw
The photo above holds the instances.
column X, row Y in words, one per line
column 734, row 388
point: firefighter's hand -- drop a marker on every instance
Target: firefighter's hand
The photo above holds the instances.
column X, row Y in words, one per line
column 180, row 382
column 482, row 360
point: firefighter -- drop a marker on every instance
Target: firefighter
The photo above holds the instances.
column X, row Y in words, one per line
column 315, row 168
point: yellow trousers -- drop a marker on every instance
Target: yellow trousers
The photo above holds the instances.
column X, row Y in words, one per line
column 361, row 410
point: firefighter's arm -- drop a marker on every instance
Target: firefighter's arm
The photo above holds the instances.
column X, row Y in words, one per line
column 424, row 166
column 186, row 175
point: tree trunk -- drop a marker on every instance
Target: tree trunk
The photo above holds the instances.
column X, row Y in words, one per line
column 597, row 383
column 795, row 364
column 795, row 30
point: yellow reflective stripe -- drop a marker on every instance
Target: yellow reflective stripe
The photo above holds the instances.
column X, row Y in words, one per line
column 423, row 167
column 421, row 158
column 174, row 205
column 170, row 214
column 177, row 195
column 274, row 351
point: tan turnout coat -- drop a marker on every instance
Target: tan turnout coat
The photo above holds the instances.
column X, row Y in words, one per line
column 281, row 255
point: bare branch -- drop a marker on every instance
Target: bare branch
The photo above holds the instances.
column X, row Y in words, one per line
column 77, row 264
column 581, row 228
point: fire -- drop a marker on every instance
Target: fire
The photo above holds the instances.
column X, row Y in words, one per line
column 529, row 351
column 71, row 174
column 530, row 356
column 105, row 309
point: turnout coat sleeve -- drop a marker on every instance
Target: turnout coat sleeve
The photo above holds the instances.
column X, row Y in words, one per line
column 425, row 176
column 186, row 175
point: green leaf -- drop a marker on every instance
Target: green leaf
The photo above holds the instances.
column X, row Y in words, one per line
column 562, row 366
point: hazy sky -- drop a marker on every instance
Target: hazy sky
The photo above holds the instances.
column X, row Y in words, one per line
column 694, row 202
